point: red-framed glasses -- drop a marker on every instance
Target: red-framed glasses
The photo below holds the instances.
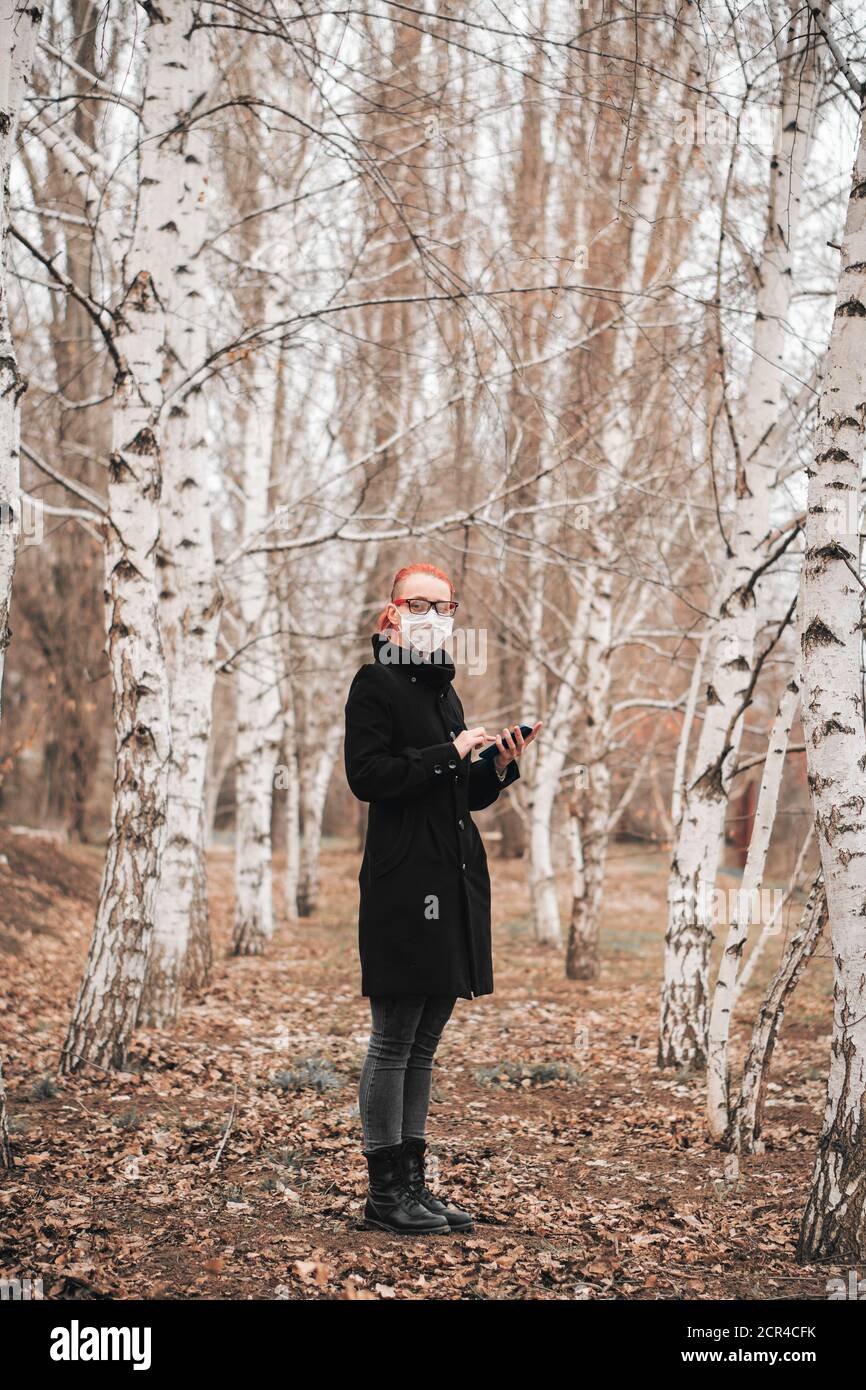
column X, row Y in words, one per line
column 446, row 608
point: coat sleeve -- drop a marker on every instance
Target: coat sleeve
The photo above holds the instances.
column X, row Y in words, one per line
column 485, row 786
column 374, row 770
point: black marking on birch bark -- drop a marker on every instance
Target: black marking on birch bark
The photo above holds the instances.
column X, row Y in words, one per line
column 17, row 383
column 859, row 190
column 828, row 727
column 712, row 781
column 5, row 122
column 819, row 784
column 833, row 550
column 125, row 570
column 818, row 634
column 117, row 466
column 143, row 444
column 711, row 697
column 851, row 309
column 153, row 12
column 834, row 455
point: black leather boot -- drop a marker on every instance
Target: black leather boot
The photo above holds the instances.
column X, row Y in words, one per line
column 413, row 1172
column 391, row 1206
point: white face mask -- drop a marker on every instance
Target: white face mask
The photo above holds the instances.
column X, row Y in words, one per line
column 426, row 631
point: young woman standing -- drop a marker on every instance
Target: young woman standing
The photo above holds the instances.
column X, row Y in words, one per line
column 424, row 925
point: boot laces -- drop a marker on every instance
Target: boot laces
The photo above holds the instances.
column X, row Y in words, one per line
column 408, row 1197
column 419, row 1189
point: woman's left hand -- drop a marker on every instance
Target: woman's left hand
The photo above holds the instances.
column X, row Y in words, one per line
column 511, row 744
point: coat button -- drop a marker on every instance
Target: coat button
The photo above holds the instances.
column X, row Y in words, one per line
column 462, row 826
column 437, row 768
column 463, row 866
column 452, row 766
column 413, row 679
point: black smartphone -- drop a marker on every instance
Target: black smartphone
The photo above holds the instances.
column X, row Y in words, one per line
column 491, row 751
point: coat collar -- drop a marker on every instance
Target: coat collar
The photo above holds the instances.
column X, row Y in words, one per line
column 438, row 670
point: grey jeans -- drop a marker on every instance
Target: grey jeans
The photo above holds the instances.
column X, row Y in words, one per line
column 394, row 1094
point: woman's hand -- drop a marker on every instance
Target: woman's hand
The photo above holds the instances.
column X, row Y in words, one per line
column 511, row 744
column 470, row 739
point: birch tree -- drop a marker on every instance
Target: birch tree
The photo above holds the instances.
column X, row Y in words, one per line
column 749, row 893
column 110, row 995
column 19, row 25
column 259, row 721
column 189, row 596
column 834, row 1222
column 685, row 991
column 743, row 1133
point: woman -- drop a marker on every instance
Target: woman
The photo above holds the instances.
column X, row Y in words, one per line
column 424, row 925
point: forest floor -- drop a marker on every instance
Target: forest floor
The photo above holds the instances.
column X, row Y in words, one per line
column 226, row 1162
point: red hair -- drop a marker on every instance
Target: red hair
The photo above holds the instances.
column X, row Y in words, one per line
column 382, row 624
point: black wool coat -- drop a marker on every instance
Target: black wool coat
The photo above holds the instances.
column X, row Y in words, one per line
column 424, row 923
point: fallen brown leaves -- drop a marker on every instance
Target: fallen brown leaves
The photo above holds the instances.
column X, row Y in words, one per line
column 588, row 1169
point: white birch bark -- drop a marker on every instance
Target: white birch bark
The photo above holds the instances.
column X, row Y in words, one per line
column 541, row 769
column 259, row 713
column 292, row 880
column 744, row 1133
column 7, row 1158
column 738, row 929
column 19, row 25
column 108, row 1002
column 768, row 928
column 694, row 863
column 831, row 601
column 578, row 879
column 582, row 959
column 315, row 780
column 547, row 761
column 681, row 760
column 189, row 596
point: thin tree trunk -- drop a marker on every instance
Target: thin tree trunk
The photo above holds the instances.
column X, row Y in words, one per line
column 259, row 712
column 293, row 815
column 744, row 1130
column 769, row 927
column 582, row 957
column 738, row 929
column 7, row 1158
column 19, row 25
column 546, row 765
column 314, row 791
column 257, row 754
